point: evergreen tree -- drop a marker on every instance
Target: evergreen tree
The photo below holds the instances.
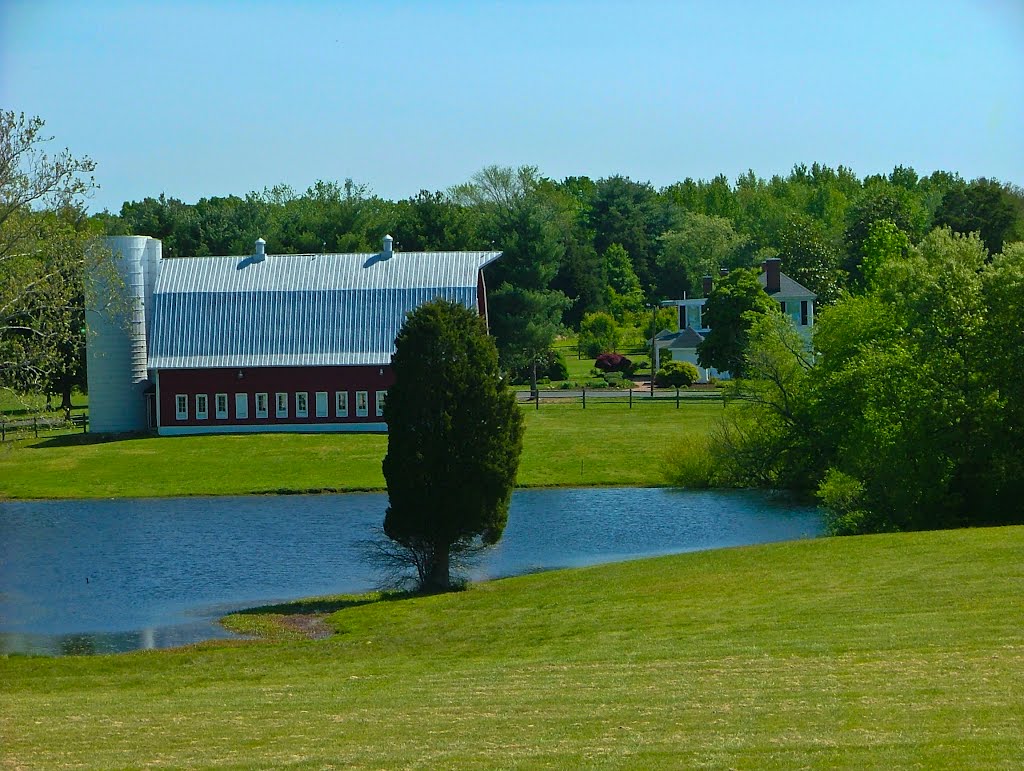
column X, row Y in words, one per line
column 455, row 435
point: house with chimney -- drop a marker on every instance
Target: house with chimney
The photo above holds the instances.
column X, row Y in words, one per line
column 794, row 299
column 261, row 342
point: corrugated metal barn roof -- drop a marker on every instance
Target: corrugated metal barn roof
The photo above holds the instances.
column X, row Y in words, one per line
column 298, row 310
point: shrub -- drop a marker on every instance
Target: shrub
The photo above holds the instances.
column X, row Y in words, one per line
column 557, row 369
column 551, row 366
column 599, row 333
column 847, row 511
column 690, row 463
column 677, row 374
column 597, row 383
column 842, row 496
column 613, row 362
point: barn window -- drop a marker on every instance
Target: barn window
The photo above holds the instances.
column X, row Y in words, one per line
column 222, row 406
column 362, row 408
column 321, row 404
column 181, row 407
column 341, row 404
column 301, row 404
column 261, row 405
column 380, row 397
column 202, row 407
column 242, row 406
column 282, row 405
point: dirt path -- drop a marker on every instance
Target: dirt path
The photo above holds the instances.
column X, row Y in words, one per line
column 310, row 624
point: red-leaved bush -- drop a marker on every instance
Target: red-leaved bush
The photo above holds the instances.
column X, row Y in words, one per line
column 613, row 362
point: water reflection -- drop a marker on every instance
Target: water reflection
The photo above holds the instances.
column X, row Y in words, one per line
column 87, row 643
column 109, row 576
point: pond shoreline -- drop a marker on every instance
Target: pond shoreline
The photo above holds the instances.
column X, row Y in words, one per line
column 289, row 492
column 119, row 574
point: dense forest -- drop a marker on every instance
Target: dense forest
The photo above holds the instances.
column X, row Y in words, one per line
column 579, row 246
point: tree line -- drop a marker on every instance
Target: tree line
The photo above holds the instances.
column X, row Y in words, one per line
column 579, row 246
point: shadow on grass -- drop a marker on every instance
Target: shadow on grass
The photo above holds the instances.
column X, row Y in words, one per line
column 80, row 439
column 324, row 605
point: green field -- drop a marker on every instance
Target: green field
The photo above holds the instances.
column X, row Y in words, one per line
column 605, row 444
column 892, row 651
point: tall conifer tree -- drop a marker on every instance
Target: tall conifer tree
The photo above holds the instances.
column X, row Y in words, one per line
column 455, row 436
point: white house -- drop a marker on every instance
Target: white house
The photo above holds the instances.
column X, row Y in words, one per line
column 795, row 300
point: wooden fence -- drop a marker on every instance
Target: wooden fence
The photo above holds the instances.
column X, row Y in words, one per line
column 21, row 427
column 627, row 399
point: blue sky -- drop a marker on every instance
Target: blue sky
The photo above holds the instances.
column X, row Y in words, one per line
column 195, row 99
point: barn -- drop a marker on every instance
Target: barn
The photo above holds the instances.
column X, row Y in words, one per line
column 261, row 342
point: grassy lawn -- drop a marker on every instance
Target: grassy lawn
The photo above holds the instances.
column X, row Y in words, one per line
column 580, row 368
column 874, row 652
column 606, row 444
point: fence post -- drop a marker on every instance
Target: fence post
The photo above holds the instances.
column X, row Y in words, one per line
column 536, row 394
column 631, row 398
column 35, row 426
column 584, row 397
column 677, row 397
column 3, row 430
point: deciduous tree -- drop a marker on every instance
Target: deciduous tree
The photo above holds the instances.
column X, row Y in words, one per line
column 731, row 309
column 986, row 207
column 42, row 254
column 599, row 333
column 697, row 247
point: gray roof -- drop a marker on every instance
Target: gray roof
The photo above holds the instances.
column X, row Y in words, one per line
column 687, row 338
column 788, row 288
column 665, row 334
column 298, row 310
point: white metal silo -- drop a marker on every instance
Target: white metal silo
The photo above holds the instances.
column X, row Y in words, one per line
column 151, row 268
column 116, row 338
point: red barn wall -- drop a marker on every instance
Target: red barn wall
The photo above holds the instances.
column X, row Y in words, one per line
column 271, row 381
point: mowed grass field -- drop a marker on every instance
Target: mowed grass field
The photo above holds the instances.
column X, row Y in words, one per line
column 605, row 444
column 896, row 651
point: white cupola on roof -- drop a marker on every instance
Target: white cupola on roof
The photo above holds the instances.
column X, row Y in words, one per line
column 389, row 243
column 261, row 251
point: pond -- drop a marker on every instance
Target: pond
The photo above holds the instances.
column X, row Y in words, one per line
column 115, row 575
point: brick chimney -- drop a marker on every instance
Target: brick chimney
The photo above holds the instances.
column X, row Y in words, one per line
column 772, row 271
column 708, row 284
